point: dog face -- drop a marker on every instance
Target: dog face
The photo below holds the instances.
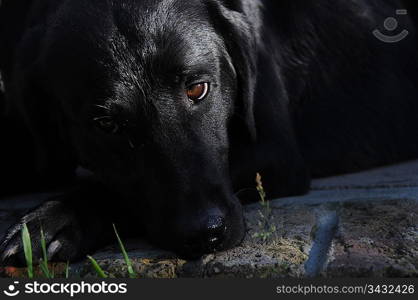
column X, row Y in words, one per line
column 148, row 89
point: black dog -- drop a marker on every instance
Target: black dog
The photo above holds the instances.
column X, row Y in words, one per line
column 175, row 105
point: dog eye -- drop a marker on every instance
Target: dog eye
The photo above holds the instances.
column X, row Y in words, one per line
column 107, row 124
column 198, row 92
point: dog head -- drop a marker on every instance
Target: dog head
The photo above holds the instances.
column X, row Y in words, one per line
column 149, row 89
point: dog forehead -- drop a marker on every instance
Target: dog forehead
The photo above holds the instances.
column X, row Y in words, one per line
column 126, row 31
column 150, row 16
column 162, row 37
column 95, row 19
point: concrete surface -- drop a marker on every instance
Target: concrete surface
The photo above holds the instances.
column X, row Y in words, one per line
column 358, row 225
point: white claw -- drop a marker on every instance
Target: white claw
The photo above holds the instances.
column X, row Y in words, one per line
column 53, row 248
column 10, row 252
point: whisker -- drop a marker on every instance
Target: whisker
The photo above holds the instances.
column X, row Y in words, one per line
column 102, row 118
column 131, row 144
column 245, row 190
column 102, row 107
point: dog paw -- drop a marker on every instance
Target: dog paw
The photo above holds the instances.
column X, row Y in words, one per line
column 61, row 229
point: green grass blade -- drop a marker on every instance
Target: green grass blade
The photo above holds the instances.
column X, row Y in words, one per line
column 97, row 268
column 27, row 248
column 44, row 269
column 43, row 246
column 128, row 262
column 67, row 270
column 44, row 261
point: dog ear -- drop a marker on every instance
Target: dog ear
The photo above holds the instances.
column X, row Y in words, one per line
column 240, row 38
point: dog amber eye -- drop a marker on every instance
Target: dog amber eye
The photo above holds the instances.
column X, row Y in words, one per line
column 198, row 92
column 107, row 124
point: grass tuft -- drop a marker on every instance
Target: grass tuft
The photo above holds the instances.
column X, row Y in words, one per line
column 266, row 229
column 43, row 262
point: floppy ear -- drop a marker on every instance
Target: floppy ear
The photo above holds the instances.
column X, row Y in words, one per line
column 240, row 38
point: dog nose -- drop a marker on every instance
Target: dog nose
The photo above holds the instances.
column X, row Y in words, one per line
column 208, row 239
column 215, row 231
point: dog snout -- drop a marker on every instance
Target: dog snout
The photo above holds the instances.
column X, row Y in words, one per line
column 198, row 227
